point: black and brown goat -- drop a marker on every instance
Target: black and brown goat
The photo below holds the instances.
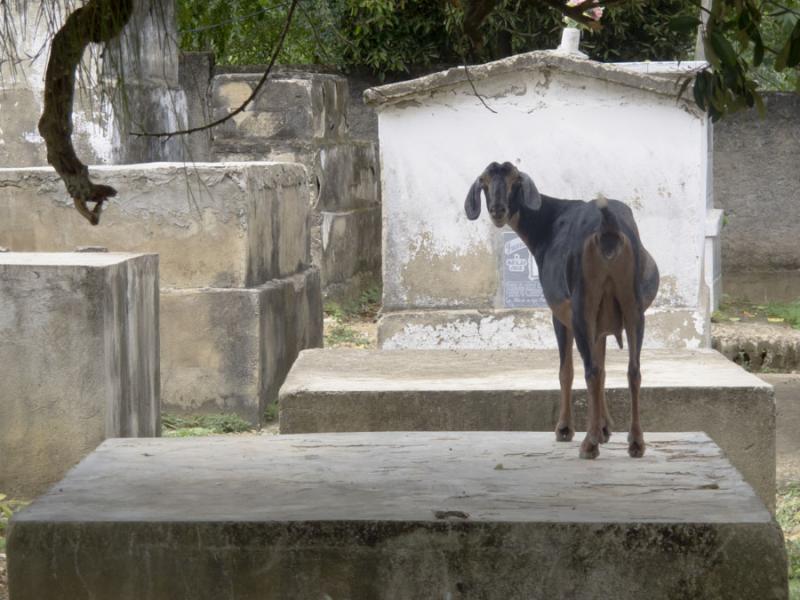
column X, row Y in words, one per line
column 596, row 276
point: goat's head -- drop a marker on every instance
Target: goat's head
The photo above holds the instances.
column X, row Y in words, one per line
column 506, row 189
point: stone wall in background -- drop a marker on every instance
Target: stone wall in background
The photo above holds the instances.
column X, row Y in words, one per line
column 757, row 183
column 239, row 296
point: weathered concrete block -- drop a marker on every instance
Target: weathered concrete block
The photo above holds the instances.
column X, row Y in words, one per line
column 79, row 360
column 521, row 328
column 228, row 350
column 439, row 390
column 346, row 221
column 398, row 516
column 293, row 106
column 348, row 176
column 195, row 70
column 257, row 212
column 349, row 243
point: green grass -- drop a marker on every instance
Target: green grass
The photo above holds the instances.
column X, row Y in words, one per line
column 365, row 307
column 787, row 514
column 341, row 335
column 340, row 316
column 8, row 506
column 198, row 425
column 775, row 312
column 789, row 312
column 271, row 412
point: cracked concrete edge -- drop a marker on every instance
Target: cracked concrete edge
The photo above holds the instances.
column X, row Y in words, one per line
column 541, row 59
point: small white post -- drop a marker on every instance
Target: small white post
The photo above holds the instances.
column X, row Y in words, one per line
column 570, row 42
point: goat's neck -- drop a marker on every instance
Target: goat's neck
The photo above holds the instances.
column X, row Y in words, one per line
column 535, row 227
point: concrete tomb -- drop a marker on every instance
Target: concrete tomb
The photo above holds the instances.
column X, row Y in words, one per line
column 398, row 516
column 302, row 117
column 518, row 390
column 79, row 360
column 580, row 129
column 234, row 247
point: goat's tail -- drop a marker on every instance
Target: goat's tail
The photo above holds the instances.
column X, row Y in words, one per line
column 609, row 238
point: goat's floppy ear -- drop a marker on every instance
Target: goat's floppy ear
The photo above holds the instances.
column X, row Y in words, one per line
column 528, row 194
column 472, row 205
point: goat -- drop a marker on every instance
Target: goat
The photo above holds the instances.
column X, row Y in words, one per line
column 597, row 279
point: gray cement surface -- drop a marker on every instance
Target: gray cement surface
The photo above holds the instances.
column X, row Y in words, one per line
column 430, row 390
column 787, row 425
column 397, row 515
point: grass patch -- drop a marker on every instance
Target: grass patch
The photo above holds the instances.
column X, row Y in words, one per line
column 787, row 514
column 198, row 425
column 787, row 313
column 366, row 306
column 340, row 334
column 8, row 506
column 342, row 318
column 271, row 412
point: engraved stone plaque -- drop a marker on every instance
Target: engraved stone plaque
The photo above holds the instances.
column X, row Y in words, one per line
column 521, row 286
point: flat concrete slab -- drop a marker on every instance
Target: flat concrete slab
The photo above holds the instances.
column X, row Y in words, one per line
column 400, row 516
column 518, row 390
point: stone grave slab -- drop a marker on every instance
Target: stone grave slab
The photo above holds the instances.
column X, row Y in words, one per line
column 466, row 390
column 366, row 516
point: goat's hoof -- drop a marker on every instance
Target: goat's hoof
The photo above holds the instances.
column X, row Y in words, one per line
column 606, row 434
column 636, row 448
column 589, row 450
column 564, row 433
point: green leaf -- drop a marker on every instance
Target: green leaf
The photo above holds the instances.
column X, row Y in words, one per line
column 758, row 53
column 723, row 49
column 794, row 52
column 683, row 23
column 700, row 89
column 783, row 56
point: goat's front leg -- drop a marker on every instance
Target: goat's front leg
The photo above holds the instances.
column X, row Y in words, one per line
column 564, row 429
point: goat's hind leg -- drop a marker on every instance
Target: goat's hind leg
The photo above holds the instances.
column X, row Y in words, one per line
column 590, row 447
column 634, row 331
column 600, row 358
column 564, row 429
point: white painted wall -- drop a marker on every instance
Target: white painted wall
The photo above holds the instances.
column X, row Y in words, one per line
column 578, row 137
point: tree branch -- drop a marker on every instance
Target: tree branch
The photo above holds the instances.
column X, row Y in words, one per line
column 243, row 105
column 99, row 21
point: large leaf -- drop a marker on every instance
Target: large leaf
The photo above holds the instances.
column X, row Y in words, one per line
column 683, row 23
column 723, row 49
column 794, row 47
